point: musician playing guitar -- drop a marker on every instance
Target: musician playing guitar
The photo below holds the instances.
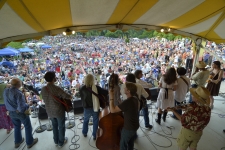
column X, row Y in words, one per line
column 55, row 109
column 130, row 107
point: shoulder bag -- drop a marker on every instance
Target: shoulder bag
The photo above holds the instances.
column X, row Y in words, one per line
column 186, row 83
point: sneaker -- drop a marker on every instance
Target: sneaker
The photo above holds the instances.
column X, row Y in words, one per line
column 18, row 144
column 65, row 141
column 34, row 142
column 148, row 126
column 85, row 135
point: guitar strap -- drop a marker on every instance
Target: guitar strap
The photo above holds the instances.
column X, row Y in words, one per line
column 97, row 95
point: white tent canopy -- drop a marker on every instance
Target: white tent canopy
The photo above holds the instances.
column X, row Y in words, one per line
column 21, row 19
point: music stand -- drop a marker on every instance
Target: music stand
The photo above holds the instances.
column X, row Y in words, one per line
column 40, row 128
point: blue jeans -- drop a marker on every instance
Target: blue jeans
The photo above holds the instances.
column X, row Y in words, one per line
column 193, row 86
column 17, row 119
column 179, row 111
column 127, row 139
column 145, row 115
column 59, row 130
column 88, row 112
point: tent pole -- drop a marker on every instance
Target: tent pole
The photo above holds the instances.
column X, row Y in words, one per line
column 195, row 59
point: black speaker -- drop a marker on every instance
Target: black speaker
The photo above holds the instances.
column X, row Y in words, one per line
column 77, row 106
column 42, row 114
column 154, row 93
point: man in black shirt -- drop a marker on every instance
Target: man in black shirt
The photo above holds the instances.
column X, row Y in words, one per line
column 130, row 107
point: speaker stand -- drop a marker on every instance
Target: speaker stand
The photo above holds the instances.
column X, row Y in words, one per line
column 70, row 124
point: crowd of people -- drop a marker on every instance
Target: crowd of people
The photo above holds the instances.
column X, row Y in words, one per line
column 81, row 66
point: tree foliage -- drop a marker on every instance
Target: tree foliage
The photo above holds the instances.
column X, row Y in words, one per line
column 141, row 34
column 15, row 45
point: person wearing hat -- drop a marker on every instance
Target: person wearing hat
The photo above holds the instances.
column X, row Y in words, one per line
column 200, row 77
column 194, row 119
column 214, row 83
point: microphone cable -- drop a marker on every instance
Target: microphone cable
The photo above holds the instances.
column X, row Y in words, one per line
column 75, row 137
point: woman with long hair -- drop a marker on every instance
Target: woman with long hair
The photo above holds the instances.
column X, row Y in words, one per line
column 216, row 74
column 114, row 79
column 91, row 103
column 167, row 84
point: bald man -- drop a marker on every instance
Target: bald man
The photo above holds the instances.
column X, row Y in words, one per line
column 16, row 105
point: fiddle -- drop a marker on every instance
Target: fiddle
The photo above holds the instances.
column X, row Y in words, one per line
column 183, row 107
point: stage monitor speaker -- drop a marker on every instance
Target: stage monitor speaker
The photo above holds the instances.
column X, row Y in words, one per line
column 77, row 106
column 42, row 114
column 154, row 93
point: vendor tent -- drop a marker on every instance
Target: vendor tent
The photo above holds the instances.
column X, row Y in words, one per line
column 195, row 18
column 7, row 63
column 45, row 46
column 26, row 49
column 8, row 51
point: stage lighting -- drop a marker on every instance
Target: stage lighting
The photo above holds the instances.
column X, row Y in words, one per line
column 68, row 32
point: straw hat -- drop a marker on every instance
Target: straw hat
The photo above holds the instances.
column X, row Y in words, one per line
column 200, row 64
column 201, row 94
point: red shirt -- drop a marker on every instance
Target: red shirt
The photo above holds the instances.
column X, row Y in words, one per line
column 196, row 117
column 57, row 69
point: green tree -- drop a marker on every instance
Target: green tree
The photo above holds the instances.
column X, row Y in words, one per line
column 15, row 45
column 178, row 37
column 170, row 36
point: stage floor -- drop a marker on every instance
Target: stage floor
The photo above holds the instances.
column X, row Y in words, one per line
column 160, row 137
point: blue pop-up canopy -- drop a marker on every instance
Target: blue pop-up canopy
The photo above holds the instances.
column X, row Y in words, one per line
column 7, row 63
column 9, row 51
column 45, row 46
column 26, row 49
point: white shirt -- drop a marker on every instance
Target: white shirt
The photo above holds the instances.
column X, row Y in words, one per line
column 143, row 83
column 140, row 91
column 75, row 82
column 182, row 88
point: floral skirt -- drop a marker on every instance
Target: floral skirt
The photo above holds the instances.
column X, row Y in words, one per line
column 5, row 120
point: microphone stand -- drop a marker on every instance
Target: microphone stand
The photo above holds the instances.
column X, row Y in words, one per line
column 70, row 124
column 49, row 125
column 41, row 127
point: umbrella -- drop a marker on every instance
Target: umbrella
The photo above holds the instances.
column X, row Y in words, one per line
column 8, row 51
column 26, row 49
column 45, row 46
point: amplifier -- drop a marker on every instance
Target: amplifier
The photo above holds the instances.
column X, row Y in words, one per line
column 42, row 114
column 77, row 106
column 154, row 93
